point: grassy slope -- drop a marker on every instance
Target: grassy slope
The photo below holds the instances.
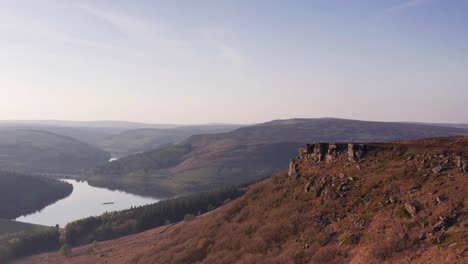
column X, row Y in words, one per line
column 277, row 221
column 44, row 152
column 247, row 153
column 140, row 140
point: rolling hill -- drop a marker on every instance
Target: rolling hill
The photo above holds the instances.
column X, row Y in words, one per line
column 145, row 139
column 205, row 162
column 35, row 151
column 387, row 203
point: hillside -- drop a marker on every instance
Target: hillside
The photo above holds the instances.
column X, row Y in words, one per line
column 371, row 203
column 24, row 194
column 145, row 139
column 44, row 152
column 205, row 162
column 8, row 227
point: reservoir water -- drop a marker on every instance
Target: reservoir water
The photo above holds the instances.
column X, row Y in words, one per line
column 85, row 201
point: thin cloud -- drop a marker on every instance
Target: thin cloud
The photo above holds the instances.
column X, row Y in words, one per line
column 408, row 4
column 164, row 41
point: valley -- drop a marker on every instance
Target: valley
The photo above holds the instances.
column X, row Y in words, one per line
column 122, row 198
column 233, row 132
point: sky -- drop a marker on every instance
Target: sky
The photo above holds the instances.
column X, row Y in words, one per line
column 244, row 61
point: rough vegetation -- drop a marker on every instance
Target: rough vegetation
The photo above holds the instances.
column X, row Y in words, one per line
column 24, row 194
column 374, row 203
column 212, row 161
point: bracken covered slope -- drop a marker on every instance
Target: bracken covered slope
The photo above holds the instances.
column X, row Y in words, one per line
column 399, row 202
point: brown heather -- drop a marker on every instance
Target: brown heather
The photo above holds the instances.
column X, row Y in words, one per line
column 280, row 221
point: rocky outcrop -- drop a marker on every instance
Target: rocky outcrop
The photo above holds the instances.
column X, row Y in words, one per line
column 356, row 151
column 294, row 169
column 327, row 152
column 320, row 152
column 462, row 163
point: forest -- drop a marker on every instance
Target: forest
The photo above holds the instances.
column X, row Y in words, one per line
column 29, row 243
column 22, row 194
column 117, row 224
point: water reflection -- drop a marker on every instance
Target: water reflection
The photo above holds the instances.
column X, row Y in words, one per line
column 85, row 201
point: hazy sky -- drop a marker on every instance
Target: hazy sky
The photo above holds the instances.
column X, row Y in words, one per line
column 234, row 61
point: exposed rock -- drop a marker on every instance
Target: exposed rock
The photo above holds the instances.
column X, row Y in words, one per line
column 361, row 223
column 322, row 220
column 412, row 208
column 356, row 151
column 459, row 161
column 393, row 199
column 415, row 187
column 441, row 198
column 294, row 170
column 441, row 238
column 321, row 151
column 437, row 169
column 343, row 188
column 422, row 236
column 308, row 186
column 439, row 226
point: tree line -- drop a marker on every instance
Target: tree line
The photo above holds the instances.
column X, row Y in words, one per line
column 22, row 194
column 117, row 224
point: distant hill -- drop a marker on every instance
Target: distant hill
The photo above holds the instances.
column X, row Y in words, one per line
column 205, row 162
column 141, row 140
column 89, row 124
column 457, row 125
column 44, row 152
column 22, row 194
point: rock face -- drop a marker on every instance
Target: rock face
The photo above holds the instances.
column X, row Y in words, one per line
column 356, row 151
column 459, row 161
column 327, row 152
column 462, row 163
column 294, row 169
column 319, row 152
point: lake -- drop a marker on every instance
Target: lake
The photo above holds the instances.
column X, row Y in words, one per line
column 85, row 201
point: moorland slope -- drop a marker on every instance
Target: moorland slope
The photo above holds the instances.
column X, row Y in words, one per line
column 371, row 203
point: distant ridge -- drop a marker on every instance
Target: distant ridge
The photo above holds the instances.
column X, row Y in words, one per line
column 204, row 162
